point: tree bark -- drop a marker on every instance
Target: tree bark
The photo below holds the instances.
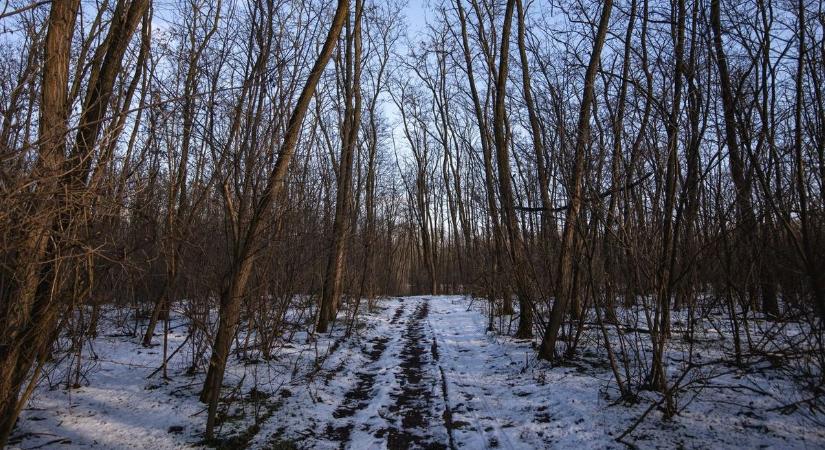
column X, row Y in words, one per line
column 566, row 259
column 341, row 224
column 28, row 312
column 239, row 274
column 517, row 250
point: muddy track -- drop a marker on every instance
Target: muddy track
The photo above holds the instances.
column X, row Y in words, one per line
column 414, row 403
column 397, row 316
column 412, row 411
column 358, row 397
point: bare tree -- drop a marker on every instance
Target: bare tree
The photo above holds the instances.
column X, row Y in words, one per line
column 331, row 293
column 565, row 293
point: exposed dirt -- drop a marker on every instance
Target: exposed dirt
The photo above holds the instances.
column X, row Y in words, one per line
column 357, row 398
column 417, row 415
column 397, row 316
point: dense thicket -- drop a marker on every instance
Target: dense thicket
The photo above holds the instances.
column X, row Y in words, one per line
column 567, row 161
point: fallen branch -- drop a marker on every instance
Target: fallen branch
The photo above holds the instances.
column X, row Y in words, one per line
column 587, row 200
column 170, row 357
column 641, row 418
column 810, row 401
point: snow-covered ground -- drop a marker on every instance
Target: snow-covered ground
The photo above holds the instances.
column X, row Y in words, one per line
column 417, row 372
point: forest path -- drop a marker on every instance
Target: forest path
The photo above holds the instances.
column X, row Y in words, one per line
column 467, row 359
column 423, row 382
column 396, row 401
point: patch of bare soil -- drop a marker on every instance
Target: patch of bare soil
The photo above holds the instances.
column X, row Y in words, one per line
column 359, row 396
column 414, row 402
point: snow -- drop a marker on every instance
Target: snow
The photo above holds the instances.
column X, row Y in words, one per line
column 119, row 408
column 418, row 371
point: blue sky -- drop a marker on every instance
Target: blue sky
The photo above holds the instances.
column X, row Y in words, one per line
column 415, row 12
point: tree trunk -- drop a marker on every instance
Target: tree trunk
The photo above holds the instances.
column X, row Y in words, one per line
column 230, row 302
column 517, row 250
column 548, row 343
column 340, row 228
column 28, row 317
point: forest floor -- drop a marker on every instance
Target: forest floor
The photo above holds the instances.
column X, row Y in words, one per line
column 420, row 372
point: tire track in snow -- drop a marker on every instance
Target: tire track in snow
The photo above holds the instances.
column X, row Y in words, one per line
column 417, row 424
column 477, row 404
column 399, row 399
column 361, row 396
